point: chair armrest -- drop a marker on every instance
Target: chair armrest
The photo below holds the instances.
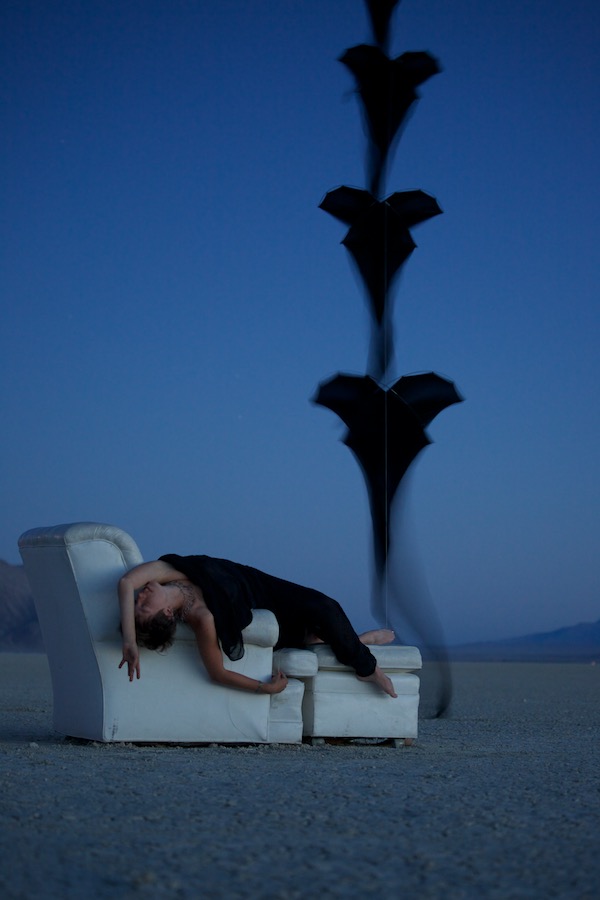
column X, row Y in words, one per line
column 263, row 630
column 295, row 663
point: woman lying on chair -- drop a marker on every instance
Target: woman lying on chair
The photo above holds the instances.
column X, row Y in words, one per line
column 215, row 598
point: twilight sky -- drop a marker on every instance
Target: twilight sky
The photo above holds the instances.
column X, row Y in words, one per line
column 172, row 295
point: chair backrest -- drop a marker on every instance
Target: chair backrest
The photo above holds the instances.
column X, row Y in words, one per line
column 73, row 572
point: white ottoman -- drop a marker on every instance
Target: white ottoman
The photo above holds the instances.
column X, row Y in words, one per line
column 337, row 704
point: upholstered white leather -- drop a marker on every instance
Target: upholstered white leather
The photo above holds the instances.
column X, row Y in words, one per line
column 295, row 663
column 73, row 572
column 390, row 658
column 285, row 714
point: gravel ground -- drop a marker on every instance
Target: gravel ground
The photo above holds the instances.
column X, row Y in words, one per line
column 501, row 799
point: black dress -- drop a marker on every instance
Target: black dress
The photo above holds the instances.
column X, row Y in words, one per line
column 231, row 591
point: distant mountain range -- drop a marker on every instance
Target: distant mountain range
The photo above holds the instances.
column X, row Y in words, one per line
column 19, row 628
column 20, row 631
column 577, row 643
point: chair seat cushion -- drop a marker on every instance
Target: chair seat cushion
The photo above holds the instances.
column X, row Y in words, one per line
column 295, row 663
column 390, row 657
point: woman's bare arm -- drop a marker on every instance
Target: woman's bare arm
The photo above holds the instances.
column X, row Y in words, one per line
column 129, row 583
column 212, row 657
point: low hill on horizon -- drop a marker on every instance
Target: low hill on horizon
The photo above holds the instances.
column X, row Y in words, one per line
column 19, row 628
column 575, row 643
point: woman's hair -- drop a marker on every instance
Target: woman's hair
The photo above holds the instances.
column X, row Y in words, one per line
column 156, row 633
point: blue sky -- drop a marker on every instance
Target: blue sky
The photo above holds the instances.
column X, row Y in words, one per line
column 172, row 295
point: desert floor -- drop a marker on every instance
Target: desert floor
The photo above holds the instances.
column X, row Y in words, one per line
column 500, row 799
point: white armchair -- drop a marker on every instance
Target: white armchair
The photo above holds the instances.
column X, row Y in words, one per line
column 73, row 572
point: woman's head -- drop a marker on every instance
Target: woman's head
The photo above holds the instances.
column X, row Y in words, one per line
column 156, row 608
column 156, row 632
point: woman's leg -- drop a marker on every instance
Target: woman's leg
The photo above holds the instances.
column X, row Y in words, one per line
column 332, row 626
column 377, row 636
column 303, row 611
column 329, row 623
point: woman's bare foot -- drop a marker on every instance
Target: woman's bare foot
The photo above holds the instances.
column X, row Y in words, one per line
column 378, row 636
column 381, row 680
column 313, row 639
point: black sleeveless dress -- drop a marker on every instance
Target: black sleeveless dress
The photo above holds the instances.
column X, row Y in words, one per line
column 231, row 591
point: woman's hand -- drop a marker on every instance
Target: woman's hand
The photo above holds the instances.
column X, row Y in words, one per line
column 276, row 685
column 131, row 656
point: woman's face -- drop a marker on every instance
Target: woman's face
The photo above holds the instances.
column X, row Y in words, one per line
column 152, row 598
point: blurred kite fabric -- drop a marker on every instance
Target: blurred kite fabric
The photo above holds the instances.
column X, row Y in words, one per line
column 388, row 89
column 386, row 432
column 380, row 242
column 386, row 424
